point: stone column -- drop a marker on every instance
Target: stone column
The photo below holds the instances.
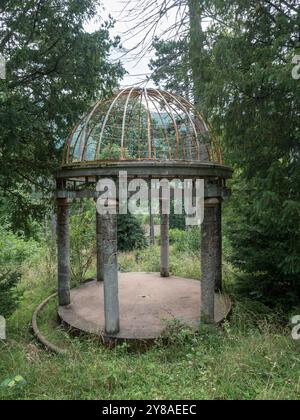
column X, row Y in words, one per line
column 151, row 218
column 63, row 251
column 110, row 272
column 164, row 239
column 152, row 233
column 219, row 273
column 54, row 227
column 99, row 246
column 209, row 259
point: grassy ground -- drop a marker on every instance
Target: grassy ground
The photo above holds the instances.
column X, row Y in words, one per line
column 250, row 357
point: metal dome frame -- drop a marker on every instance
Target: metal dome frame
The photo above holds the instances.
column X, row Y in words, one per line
column 166, row 127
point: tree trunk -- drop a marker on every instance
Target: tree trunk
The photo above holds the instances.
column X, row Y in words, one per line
column 196, row 52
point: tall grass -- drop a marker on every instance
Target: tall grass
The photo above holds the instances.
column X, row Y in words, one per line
column 252, row 356
column 182, row 264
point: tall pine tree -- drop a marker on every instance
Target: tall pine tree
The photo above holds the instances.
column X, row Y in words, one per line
column 245, row 86
column 55, row 69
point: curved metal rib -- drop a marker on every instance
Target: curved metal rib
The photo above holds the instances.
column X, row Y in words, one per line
column 117, row 118
column 106, row 119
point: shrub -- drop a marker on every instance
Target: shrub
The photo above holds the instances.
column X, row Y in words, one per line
column 177, row 221
column 9, row 295
column 193, row 239
column 14, row 251
column 264, row 232
column 131, row 235
column 113, row 152
column 83, row 239
column 185, row 241
column 176, row 236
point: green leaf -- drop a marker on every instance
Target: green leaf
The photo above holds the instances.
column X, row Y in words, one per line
column 17, row 381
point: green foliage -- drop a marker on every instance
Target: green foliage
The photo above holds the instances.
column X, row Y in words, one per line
column 55, row 69
column 134, row 132
column 265, row 238
column 14, row 251
column 131, row 235
column 176, row 236
column 188, row 240
column 170, row 67
column 112, row 152
column 16, row 382
column 177, row 221
column 183, row 262
column 193, row 239
column 242, row 78
column 250, row 357
column 9, row 296
column 255, row 104
column 198, row 52
column 83, row 239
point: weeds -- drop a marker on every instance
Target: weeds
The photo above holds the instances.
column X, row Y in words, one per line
column 252, row 356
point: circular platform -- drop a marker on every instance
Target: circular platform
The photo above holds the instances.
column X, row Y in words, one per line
column 147, row 304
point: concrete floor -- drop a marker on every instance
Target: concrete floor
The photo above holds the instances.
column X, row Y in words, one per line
column 147, row 303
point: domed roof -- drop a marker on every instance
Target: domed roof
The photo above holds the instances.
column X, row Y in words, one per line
column 142, row 124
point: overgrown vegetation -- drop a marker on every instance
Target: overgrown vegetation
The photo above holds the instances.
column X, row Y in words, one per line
column 14, row 252
column 241, row 73
column 251, row 357
column 131, row 236
column 55, row 71
column 238, row 72
column 83, row 239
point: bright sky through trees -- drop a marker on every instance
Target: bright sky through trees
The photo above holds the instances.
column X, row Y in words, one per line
column 135, row 62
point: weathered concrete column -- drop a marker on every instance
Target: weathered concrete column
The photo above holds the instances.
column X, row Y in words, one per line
column 152, row 233
column 164, row 239
column 219, row 271
column 110, row 272
column 209, row 259
column 151, row 218
column 63, row 251
column 99, row 246
column 54, row 227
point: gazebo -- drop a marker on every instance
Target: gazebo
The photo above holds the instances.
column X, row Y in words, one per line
column 147, row 134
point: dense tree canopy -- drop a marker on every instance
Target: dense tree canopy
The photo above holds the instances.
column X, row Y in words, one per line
column 171, row 67
column 255, row 103
column 54, row 70
column 234, row 58
column 246, row 88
